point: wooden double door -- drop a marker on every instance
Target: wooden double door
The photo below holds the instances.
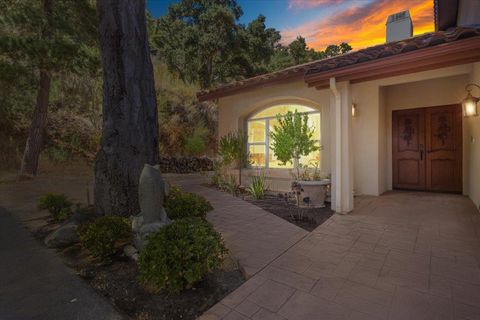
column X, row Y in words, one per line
column 427, row 149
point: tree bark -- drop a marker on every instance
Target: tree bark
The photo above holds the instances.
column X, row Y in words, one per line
column 130, row 119
column 34, row 143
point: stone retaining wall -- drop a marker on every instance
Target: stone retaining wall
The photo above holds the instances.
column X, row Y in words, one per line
column 185, row 164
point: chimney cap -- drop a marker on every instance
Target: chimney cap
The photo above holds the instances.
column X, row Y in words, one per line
column 402, row 15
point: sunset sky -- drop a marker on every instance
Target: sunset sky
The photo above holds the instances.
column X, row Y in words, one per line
column 361, row 23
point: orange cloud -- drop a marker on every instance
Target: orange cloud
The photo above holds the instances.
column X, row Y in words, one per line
column 361, row 25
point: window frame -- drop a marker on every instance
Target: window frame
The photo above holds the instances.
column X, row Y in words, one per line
column 266, row 144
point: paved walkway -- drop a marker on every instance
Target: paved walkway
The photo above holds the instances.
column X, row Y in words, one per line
column 35, row 284
column 254, row 236
column 399, row 256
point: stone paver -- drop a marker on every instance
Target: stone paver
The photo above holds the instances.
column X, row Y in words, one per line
column 402, row 255
column 254, row 236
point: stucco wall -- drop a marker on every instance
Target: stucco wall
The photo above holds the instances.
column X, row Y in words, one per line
column 235, row 110
column 375, row 101
column 365, row 129
column 473, row 139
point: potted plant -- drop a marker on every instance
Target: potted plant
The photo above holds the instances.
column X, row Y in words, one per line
column 314, row 187
column 293, row 138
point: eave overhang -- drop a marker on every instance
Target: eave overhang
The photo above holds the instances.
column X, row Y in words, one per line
column 444, row 55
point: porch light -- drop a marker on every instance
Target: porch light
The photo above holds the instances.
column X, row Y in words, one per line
column 354, row 110
column 470, row 103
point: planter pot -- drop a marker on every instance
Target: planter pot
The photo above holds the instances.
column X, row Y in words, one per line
column 313, row 194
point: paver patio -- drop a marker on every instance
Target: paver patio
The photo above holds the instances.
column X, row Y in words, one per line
column 399, row 256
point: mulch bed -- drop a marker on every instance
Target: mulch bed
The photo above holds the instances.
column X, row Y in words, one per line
column 305, row 218
column 117, row 280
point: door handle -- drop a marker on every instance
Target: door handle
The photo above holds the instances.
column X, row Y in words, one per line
column 421, row 152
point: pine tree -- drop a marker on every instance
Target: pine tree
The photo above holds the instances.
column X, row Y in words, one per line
column 44, row 38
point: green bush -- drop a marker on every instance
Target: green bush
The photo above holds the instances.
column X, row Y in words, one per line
column 181, row 204
column 106, row 235
column 180, row 254
column 196, row 143
column 57, row 204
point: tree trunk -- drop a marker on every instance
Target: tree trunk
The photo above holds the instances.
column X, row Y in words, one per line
column 130, row 119
column 240, row 175
column 34, row 144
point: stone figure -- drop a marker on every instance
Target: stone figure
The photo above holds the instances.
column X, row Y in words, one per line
column 152, row 190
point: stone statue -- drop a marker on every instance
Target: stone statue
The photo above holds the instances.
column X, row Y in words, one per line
column 152, row 190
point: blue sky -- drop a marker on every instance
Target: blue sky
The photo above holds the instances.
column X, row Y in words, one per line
column 361, row 23
column 278, row 13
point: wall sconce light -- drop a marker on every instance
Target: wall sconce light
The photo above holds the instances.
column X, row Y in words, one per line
column 470, row 103
column 354, row 110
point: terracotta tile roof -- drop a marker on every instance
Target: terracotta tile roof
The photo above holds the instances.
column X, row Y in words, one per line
column 393, row 48
column 346, row 60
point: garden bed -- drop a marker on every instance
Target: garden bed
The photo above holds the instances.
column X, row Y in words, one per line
column 305, row 218
column 117, row 280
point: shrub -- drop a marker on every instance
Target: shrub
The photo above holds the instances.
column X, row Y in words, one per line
column 57, row 204
column 196, row 143
column 217, row 179
column 230, row 185
column 180, row 254
column 181, row 204
column 232, row 148
column 106, row 235
column 258, row 188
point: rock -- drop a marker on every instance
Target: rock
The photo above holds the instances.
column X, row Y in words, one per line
column 152, row 190
column 131, row 252
column 153, row 227
column 64, row 236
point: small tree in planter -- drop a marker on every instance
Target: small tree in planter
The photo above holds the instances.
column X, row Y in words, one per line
column 233, row 150
column 293, row 138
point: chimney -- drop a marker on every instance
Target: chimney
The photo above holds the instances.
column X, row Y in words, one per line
column 399, row 26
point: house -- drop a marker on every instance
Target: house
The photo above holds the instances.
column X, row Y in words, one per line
column 408, row 131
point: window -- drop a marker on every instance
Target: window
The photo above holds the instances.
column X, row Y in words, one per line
column 261, row 124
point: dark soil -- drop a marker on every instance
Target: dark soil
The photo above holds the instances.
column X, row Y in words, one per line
column 284, row 206
column 118, row 281
column 306, row 218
